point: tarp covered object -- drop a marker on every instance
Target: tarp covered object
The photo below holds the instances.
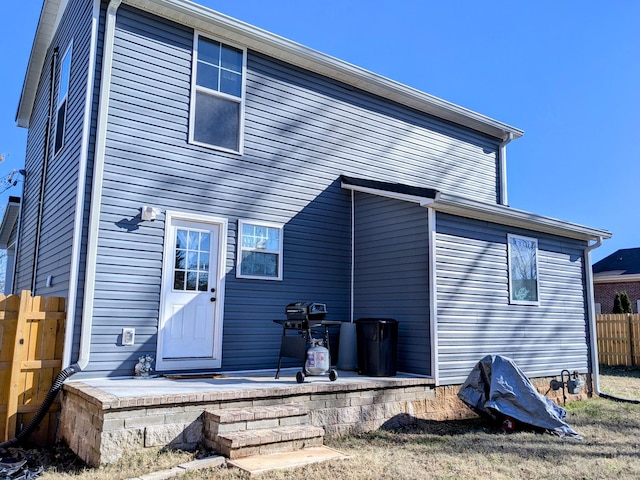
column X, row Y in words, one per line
column 497, row 387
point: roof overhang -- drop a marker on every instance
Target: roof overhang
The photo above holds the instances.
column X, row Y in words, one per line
column 607, row 277
column 468, row 208
column 214, row 23
column 398, row 191
column 512, row 217
column 47, row 24
column 9, row 219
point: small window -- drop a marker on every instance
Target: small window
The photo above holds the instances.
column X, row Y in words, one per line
column 61, row 105
column 217, row 94
column 523, row 270
column 259, row 250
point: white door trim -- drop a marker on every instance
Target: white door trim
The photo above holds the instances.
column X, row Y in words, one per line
column 222, row 224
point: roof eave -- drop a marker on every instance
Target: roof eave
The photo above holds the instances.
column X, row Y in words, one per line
column 210, row 21
column 47, row 24
column 9, row 218
column 624, row 278
column 207, row 20
column 503, row 215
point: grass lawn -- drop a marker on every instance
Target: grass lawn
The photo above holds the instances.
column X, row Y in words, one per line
column 467, row 449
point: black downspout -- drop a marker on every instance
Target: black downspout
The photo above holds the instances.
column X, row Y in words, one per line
column 43, row 173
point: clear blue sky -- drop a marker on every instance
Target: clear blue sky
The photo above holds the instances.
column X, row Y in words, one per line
column 566, row 72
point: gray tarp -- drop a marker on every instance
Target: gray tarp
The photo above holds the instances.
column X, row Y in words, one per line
column 497, row 387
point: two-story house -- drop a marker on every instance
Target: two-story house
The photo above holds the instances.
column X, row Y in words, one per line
column 188, row 175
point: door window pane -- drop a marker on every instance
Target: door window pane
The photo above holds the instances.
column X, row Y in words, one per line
column 203, row 281
column 181, row 238
column 192, row 279
column 178, row 280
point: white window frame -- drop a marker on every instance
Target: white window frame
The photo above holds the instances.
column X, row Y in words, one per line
column 240, row 249
column 195, row 88
column 62, row 101
column 510, row 252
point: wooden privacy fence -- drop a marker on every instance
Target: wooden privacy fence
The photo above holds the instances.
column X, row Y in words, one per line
column 618, row 339
column 31, row 342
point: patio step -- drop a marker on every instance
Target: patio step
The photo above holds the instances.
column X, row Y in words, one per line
column 242, row 432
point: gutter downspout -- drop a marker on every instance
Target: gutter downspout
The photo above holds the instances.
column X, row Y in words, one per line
column 96, row 189
column 433, row 294
column 592, row 316
column 502, row 149
column 353, row 253
column 43, row 172
column 18, row 236
column 80, row 194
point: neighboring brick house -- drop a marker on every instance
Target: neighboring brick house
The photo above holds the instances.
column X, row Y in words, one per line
column 619, row 272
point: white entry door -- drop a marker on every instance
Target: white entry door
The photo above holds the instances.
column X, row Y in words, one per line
column 190, row 333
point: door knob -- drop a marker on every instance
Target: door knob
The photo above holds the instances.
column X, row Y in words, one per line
column 213, row 299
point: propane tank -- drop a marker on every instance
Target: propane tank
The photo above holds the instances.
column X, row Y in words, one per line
column 317, row 358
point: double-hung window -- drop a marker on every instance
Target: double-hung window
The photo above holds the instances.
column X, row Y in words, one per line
column 523, row 270
column 217, row 96
column 61, row 104
column 259, row 250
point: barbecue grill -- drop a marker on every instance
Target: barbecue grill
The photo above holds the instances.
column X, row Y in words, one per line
column 304, row 320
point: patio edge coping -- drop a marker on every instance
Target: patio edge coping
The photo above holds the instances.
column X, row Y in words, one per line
column 106, row 401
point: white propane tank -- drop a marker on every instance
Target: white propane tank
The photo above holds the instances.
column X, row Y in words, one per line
column 317, row 358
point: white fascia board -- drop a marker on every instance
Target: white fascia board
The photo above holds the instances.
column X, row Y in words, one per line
column 206, row 20
column 503, row 215
column 47, row 24
column 386, row 193
column 616, row 278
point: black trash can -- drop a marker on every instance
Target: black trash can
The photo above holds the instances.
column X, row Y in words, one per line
column 377, row 340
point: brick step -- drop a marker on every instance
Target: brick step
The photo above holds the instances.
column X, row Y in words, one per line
column 231, row 415
column 253, row 418
column 266, row 441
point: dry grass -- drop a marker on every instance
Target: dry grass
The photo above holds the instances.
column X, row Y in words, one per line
column 446, row 450
column 620, row 381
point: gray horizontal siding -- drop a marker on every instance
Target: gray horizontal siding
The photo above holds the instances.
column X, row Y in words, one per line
column 54, row 255
column 301, row 132
column 474, row 315
column 391, row 273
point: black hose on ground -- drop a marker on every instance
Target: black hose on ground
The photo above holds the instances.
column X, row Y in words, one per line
column 44, row 408
column 618, row 399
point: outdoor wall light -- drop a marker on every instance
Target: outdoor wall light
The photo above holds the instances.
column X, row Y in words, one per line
column 148, row 213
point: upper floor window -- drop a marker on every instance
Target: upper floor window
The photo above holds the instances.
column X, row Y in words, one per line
column 61, row 104
column 217, row 104
column 523, row 270
column 259, row 250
